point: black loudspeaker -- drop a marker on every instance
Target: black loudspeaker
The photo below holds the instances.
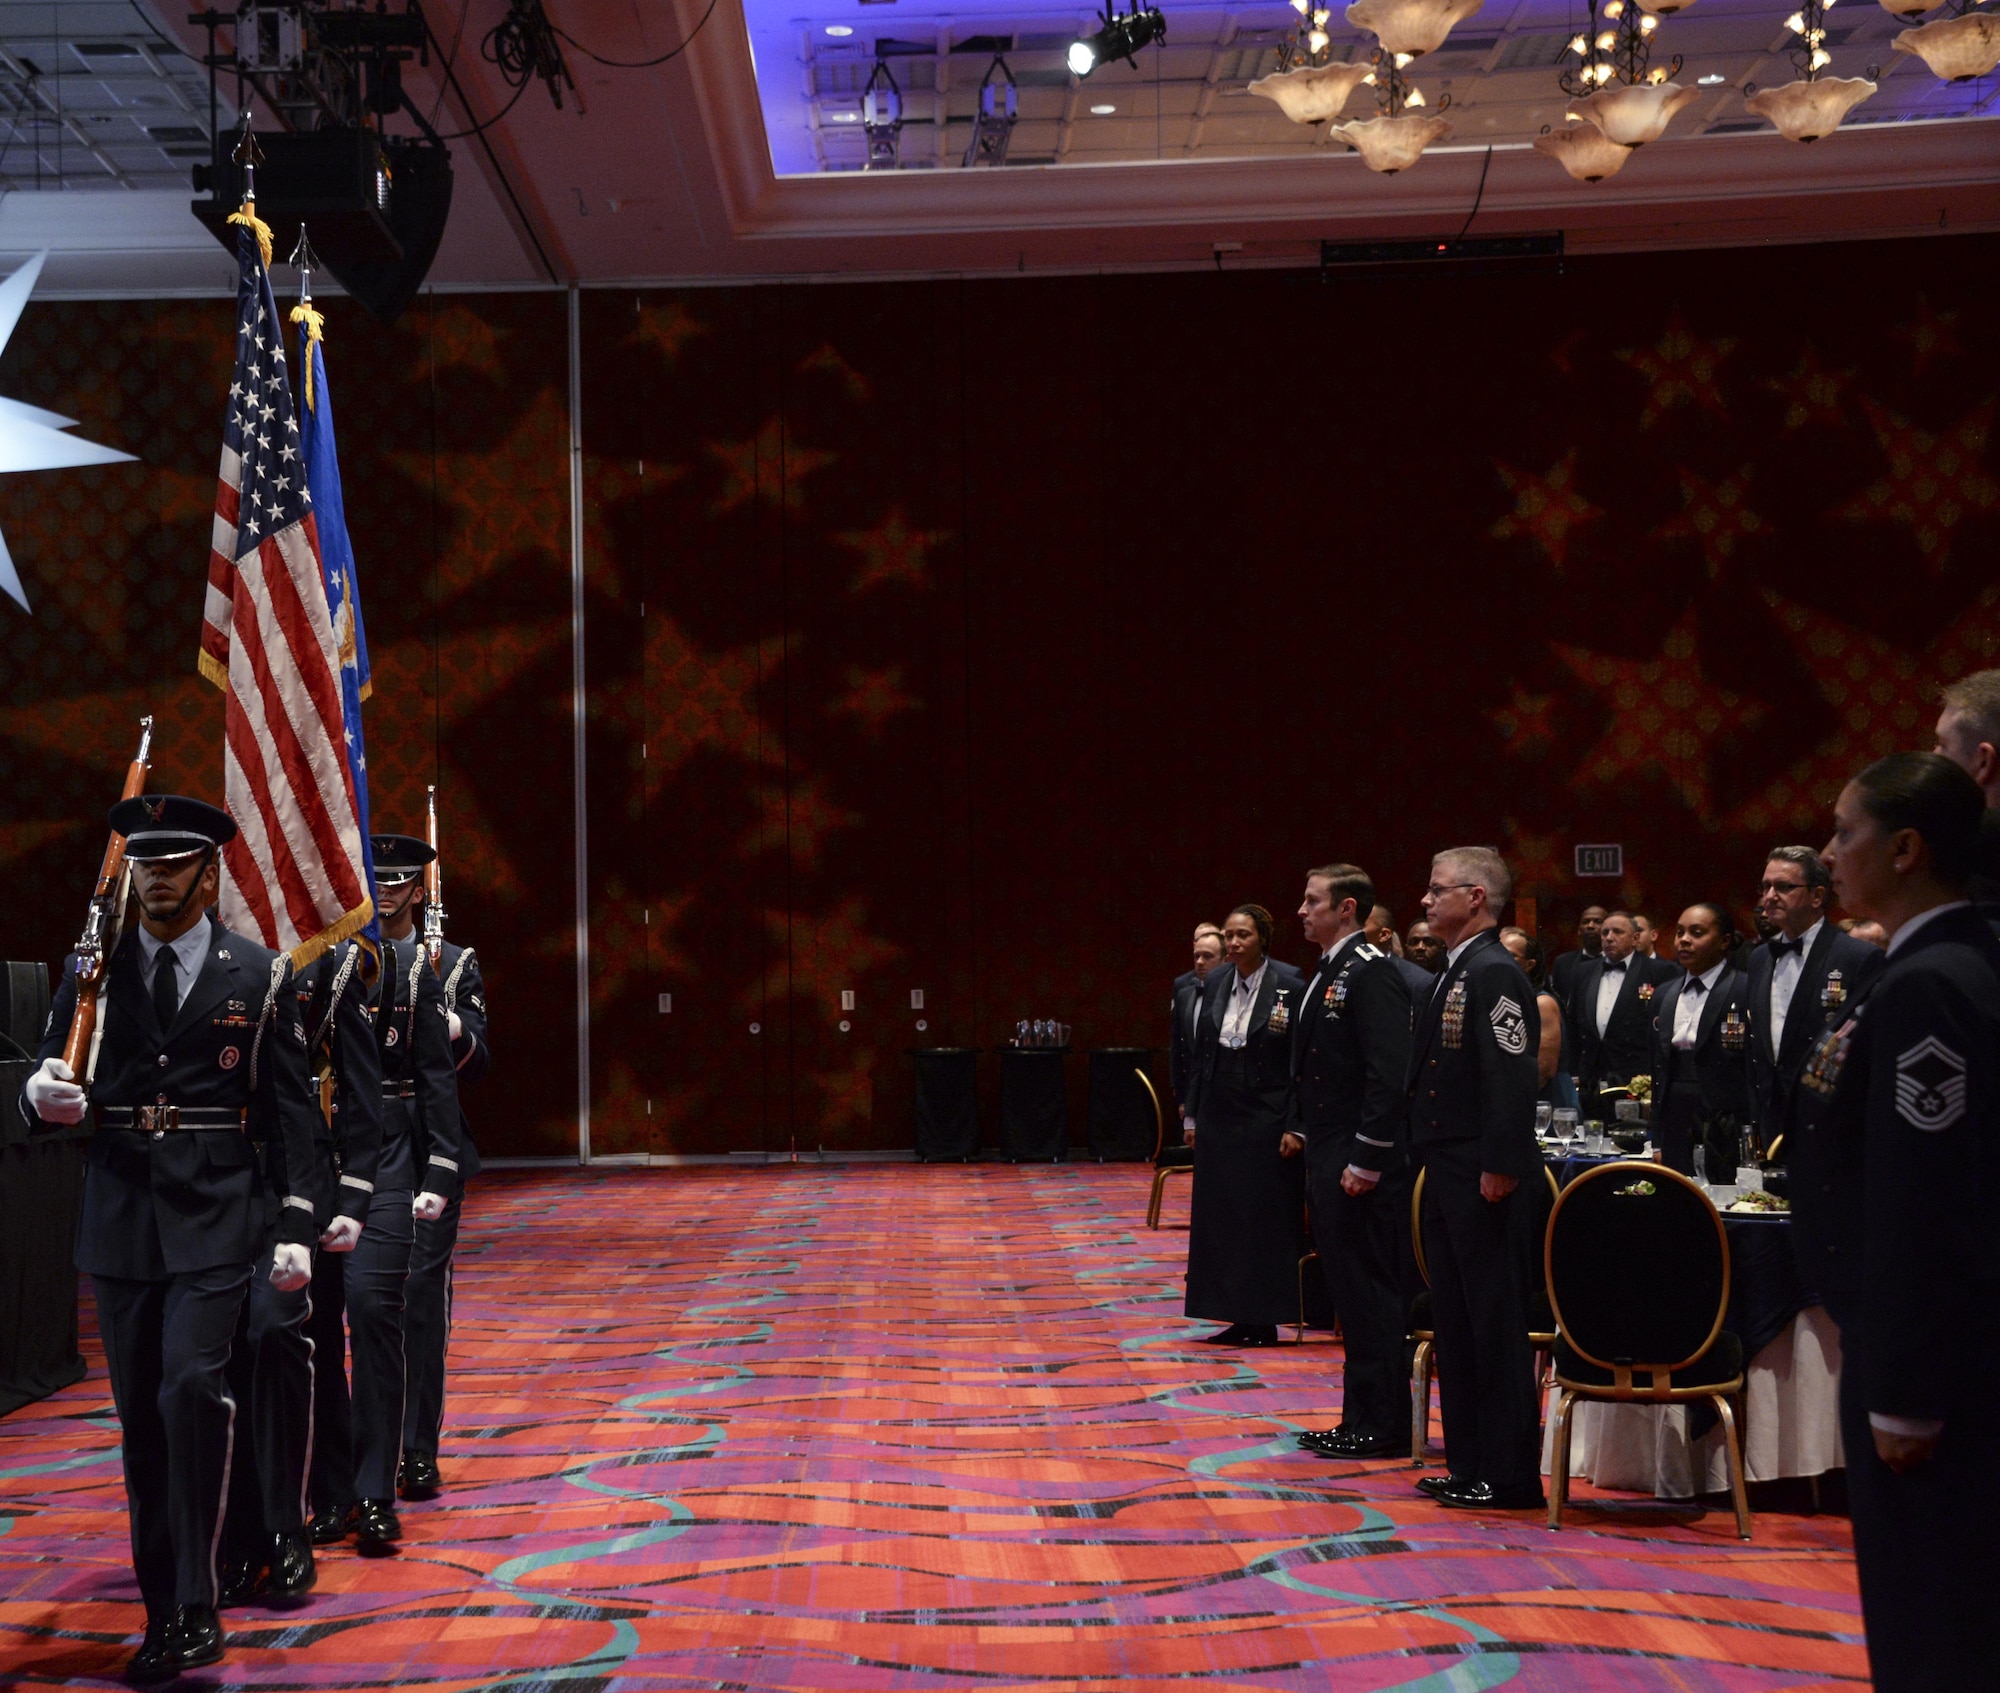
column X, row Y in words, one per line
column 373, row 207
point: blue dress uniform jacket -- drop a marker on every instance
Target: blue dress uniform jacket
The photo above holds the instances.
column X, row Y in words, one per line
column 423, row 1146
column 1474, row 1061
column 1187, row 996
column 1895, row 1185
column 340, row 1045
column 1718, row 1069
column 1816, row 1004
column 465, row 993
column 166, row 1203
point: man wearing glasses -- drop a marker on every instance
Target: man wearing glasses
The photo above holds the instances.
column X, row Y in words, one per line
column 1800, row 979
column 1471, row 1099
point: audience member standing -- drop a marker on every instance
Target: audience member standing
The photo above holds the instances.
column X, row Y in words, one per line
column 1611, row 1014
column 1968, row 733
column 1589, row 933
column 1424, row 949
column 1186, row 1009
column 1905, row 1094
column 1552, row 1061
column 1471, row 1094
column 1800, row 979
column 1701, row 1049
column 1248, row 1225
column 1350, row 1057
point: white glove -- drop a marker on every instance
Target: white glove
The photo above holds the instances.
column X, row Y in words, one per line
column 342, row 1235
column 452, row 1022
column 427, row 1207
column 291, row 1268
column 53, row 1094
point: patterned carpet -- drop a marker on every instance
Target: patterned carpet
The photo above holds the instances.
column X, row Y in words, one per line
column 912, row 1428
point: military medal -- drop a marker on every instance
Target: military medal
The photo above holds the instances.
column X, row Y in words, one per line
column 1834, row 995
column 1735, row 1031
column 1451, row 1020
column 1829, row 1055
column 1281, row 1014
column 1645, row 992
column 1336, row 995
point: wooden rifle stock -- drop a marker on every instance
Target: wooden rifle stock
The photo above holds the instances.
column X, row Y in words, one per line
column 102, row 927
column 434, row 891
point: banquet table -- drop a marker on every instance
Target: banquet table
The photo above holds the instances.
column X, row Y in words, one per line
column 1790, row 1403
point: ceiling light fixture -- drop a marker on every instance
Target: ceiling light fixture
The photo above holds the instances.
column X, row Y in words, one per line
column 1584, row 151
column 993, row 119
column 882, row 118
column 1812, row 105
column 1712, row 79
column 1613, row 86
column 1395, row 140
column 1121, row 38
column 1411, row 27
column 1957, row 48
column 1311, row 93
column 840, row 30
column 1102, row 111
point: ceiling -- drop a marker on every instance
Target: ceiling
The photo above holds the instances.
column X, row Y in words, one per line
column 730, row 161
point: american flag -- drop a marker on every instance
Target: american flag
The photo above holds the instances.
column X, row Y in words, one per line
column 293, row 876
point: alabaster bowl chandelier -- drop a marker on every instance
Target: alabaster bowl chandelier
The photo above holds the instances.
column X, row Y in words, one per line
column 1813, row 104
column 1957, row 48
column 1585, row 151
column 1411, row 27
column 1311, row 93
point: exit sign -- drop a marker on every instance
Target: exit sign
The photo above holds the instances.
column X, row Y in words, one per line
column 1600, row 860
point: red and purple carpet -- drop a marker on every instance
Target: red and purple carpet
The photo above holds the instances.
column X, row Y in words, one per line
column 866, row 1427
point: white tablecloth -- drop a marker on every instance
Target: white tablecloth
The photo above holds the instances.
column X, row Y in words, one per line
column 1791, row 1425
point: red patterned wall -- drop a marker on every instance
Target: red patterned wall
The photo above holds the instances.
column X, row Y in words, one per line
column 980, row 637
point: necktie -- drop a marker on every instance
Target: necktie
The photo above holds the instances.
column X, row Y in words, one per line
column 166, row 997
column 1780, row 946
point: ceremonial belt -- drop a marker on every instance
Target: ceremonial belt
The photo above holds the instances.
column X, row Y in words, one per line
column 399, row 1090
column 157, row 1119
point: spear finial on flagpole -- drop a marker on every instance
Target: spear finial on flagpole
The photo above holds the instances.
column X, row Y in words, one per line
column 247, row 154
column 305, row 261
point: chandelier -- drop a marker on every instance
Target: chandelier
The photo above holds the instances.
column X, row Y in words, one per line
column 1613, row 83
column 1395, row 139
column 1959, row 47
column 1311, row 93
column 1584, row 150
column 1811, row 105
column 1410, row 27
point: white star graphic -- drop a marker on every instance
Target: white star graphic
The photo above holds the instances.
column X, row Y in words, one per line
column 30, row 438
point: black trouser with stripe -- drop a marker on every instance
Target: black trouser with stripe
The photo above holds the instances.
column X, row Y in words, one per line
column 427, row 1329
column 167, row 1344
column 271, row 1379
column 376, row 1275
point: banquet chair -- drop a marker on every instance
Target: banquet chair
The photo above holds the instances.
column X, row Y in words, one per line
column 1423, row 1363
column 1638, row 1276
column 1167, row 1160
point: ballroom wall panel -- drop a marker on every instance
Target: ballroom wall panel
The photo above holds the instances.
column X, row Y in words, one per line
column 980, row 637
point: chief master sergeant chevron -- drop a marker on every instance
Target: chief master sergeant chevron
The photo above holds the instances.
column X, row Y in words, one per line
column 202, row 1053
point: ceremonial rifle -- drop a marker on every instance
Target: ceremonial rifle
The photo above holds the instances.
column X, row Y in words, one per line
column 102, row 928
column 434, row 893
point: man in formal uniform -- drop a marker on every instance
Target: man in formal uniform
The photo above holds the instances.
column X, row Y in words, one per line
column 416, row 1176
column 1800, row 980
column 1471, row 1102
column 1424, row 949
column 1611, row 1015
column 1350, row 1059
column 427, row 1318
column 202, row 1053
column 1379, row 931
column 1701, row 1049
column 290, row 1408
column 1186, row 1010
column 1589, row 933
column 1968, row 733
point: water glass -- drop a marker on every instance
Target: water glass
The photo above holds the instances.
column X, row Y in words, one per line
column 1544, row 1116
column 1701, row 1166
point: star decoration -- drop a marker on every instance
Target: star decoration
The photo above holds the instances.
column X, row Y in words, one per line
column 828, row 953
column 1548, row 509
column 892, row 552
column 767, row 467
column 1526, row 722
column 1680, row 369
column 1935, row 482
column 18, row 840
column 460, row 336
column 796, row 823
column 1666, row 716
column 828, row 362
column 668, row 328
column 1536, row 860
column 1812, row 393
column 1715, row 516
column 873, row 698
column 30, row 438
column 708, row 699
column 1930, row 335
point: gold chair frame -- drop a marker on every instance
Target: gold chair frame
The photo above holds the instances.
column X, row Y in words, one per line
column 1160, row 1171
column 1624, row 1389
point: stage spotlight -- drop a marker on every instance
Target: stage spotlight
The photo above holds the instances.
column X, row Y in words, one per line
column 1120, row 38
column 993, row 123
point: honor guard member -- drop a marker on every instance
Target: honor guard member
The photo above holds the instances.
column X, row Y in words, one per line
column 1800, row 979
column 1701, row 1050
column 1895, row 1185
column 1350, row 1057
column 202, row 1054
column 288, row 1346
column 427, row 1320
column 417, row 1175
column 1471, row 1093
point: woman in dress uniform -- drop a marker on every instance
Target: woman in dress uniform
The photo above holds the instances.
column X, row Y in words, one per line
column 1701, row 1049
column 1248, row 1228
column 1895, row 1185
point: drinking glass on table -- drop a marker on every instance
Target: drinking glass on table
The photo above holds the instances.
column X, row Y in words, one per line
column 1565, row 1125
column 1700, row 1165
column 1544, row 1118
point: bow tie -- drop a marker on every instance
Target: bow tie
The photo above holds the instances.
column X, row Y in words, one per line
column 1617, row 969
column 1695, row 985
column 1780, row 946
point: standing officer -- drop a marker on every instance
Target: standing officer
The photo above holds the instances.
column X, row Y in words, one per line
column 1701, row 1049
column 1187, row 1003
column 1471, row 1094
column 271, row 1368
column 202, row 1051
column 427, row 1320
column 418, row 1173
column 1611, row 1012
column 1800, row 979
column 1350, row 1057
column 1896, row 1181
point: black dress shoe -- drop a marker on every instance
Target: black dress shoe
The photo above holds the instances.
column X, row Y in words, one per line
column 1231, row 1336
column 292, row 1570
column 1484, row 1496
column 195, row 1635
column 1438, row 1485
column 329, row 1527
column 376, row 1528
column 241, row 1577
column 420, row 1477
column 1352, row 1443
column 156, row 1659
column 1258, row 1334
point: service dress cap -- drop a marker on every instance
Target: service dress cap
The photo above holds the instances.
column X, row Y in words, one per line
column 398, row 858
column 161, row 826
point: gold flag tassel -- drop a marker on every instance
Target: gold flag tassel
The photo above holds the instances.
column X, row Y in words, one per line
column 315, row 321
column 257, row 226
